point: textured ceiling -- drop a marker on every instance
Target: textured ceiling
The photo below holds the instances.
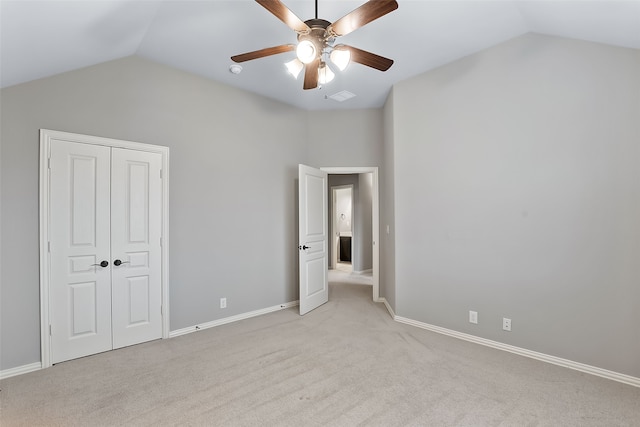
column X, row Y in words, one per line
column 43, row 38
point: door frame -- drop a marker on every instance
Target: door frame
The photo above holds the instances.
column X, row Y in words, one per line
column 375, row 217
column 335, row 243
column 46, row 136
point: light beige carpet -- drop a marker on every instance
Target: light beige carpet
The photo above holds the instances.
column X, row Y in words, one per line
column 345, row 364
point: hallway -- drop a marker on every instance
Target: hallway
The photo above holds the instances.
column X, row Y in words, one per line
column 339, row 276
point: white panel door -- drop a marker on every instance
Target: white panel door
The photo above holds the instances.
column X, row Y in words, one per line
column 105, row 225
column 312, row 235
column 135, row 246
column 80, row 293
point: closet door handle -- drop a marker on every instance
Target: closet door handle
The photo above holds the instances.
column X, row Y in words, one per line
column 118, row 262
column 102, row 264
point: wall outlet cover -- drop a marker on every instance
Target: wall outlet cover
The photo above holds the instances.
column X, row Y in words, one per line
column 506, row 324
column 473, row 317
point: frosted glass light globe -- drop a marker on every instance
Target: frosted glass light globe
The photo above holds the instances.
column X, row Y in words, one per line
column 306, row 51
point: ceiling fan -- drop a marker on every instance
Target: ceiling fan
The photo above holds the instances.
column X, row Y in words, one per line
column 316, row 38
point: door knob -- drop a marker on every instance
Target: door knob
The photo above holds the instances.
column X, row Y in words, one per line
column 118, row 262
column 303, row 247
column 102, row 264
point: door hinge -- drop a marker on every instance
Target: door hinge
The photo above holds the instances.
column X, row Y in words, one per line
column 49, row 163
column 160, row 173
column 161, row 242
column 49, row 247
column 50, row 333
column 161, row 311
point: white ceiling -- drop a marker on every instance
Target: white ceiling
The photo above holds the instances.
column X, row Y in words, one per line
column 43, row 38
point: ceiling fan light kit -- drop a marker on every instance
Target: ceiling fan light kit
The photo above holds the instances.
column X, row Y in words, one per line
column 306, row 51
column 294, row 67
column 325, row 75
column 340, row 56
column 316, row 38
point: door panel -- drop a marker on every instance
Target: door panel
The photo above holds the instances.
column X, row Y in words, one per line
column 139, row 298
column 80, row 294
column 82, row 298
column 315, row 275
column 312, row 212
column 135, row 241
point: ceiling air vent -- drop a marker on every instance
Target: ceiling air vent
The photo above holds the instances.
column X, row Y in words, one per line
column 342, row 96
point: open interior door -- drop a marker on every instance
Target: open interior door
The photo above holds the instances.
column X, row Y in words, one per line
column 312, row 238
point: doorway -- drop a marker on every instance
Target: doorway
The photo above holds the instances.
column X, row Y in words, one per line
column 341, row 227
column 372, row 246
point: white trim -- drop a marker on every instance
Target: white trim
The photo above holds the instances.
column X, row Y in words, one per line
column 45, row 352
column 19, row 370
column 232, row 319
column 375, row 217
column 588, row 369
column 368, row 270
column 388, row 306
column 46, row 136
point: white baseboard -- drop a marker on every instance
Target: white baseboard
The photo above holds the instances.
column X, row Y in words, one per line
column 367, row 271
column 19, row 370
column 389, row 309
column 604, row 373
column 232, row 319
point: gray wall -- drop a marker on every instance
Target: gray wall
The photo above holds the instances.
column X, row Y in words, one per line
column 517, row 194
column 339, row 139
column 232, row 185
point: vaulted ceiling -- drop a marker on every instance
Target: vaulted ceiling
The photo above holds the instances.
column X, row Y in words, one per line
column 43, row 38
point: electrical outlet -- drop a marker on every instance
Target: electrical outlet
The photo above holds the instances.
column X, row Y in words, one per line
column 506, row 324
column 473, row 317
column 223, row 303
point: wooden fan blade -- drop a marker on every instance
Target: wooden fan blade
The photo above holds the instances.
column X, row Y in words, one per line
column 369, row 59
column 284, row 14
column 371, row 10
column 263, row 52
column 311, row 75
